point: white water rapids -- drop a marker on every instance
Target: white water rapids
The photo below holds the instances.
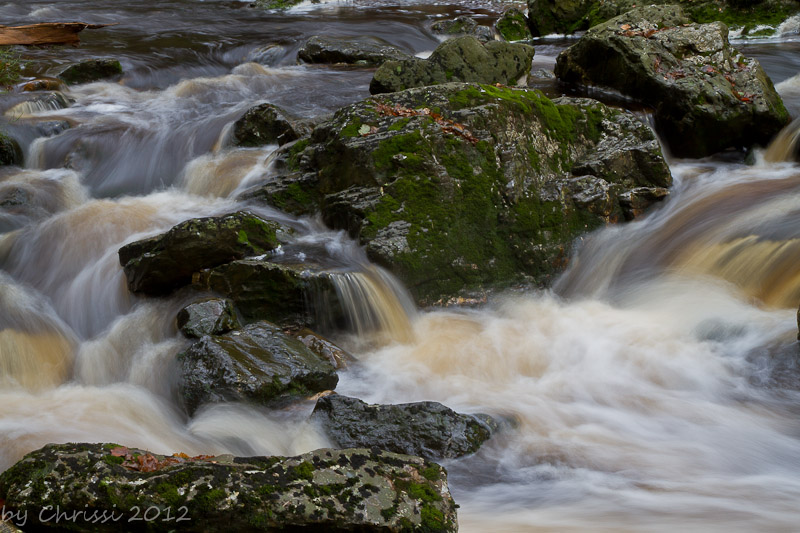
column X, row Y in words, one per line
column 655, row 388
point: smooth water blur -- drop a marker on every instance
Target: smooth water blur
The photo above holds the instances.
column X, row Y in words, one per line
column 655, row 388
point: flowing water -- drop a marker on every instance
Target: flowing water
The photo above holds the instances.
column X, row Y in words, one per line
column 655, row 388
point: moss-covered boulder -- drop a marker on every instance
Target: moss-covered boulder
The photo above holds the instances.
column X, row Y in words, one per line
column 460, row 59
column 426, row 429
column 266, row 124
column 10, row 151
column 706, row 95
column 165, row 262
column 275, row 4
column 258, row 363
column 135, row 490
column 513, row 26
column 463, row 25
column 568, row 16
column 463, row 186
column 357, row 50
column 212, row 316
column 91, row 70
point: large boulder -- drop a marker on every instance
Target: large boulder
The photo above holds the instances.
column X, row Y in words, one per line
column 360, row 50
column 258, row 363
column 462, row 186
column 91, row 70
column 427, row 429
column 460, row 59
column 266, row 124
column 324, row 490
column 165, row 262
column 706, row 95
column 212, row 316
column 568, row 16
column 463, row 25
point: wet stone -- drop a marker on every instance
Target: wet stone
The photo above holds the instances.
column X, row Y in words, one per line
column 463, row 25
column 214, row 316
column 357, row 50
column 427, row 429
column 258, row 364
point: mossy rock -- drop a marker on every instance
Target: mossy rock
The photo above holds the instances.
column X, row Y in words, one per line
column 463, row 25
column 707, row 96
column 10, row 151
column 463, row 186
column 460, row 59
column 568, row 16
column 266, row 124
column 324, row 490
column 258, row 364
column 160, row 264
column 275, row 4
column 513, row 25
column 91, row 70
column 426, row 429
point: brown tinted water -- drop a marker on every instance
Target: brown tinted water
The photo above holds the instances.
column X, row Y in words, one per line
column 654, row 389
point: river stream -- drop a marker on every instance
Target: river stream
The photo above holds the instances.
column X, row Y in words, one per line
column 654, row 388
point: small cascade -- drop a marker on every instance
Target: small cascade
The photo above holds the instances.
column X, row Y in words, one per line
column 373, row 304
column 785, row 146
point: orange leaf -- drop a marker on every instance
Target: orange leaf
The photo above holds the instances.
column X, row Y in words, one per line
column 119, row 451
column 625, row 27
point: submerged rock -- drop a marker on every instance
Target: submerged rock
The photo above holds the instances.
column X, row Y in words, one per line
column 568, row 16
column 463, row 25
column 324, row 490
column 91, row 70
column 513, row 26
column 214, row 316
column 258, row 363
column 160, row 264
column 463, row 186
column 706, row 95
column 360, row 50
column 459, row 59
column 427, row 429
column 266, row 124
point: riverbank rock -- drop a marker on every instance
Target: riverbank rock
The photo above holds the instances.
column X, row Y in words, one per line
column 266, row 124
column 466, row 186
column 706, row 95
column 258, row 363
column 213, row 316
column 324, row 490
column 91, row 70
column 323, row 347
column 513, row 26
column 463, row 25
column 426, row 429
column 568, row 16
column 160, row 264
column 459, row 59
column 360, row 50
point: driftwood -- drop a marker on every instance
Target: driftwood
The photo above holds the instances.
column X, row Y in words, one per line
column 45, row 33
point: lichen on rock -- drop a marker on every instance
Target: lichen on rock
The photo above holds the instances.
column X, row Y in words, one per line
column 324, row 490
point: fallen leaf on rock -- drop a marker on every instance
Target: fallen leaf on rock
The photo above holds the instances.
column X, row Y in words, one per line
column 119, row 451
column 625, row 27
